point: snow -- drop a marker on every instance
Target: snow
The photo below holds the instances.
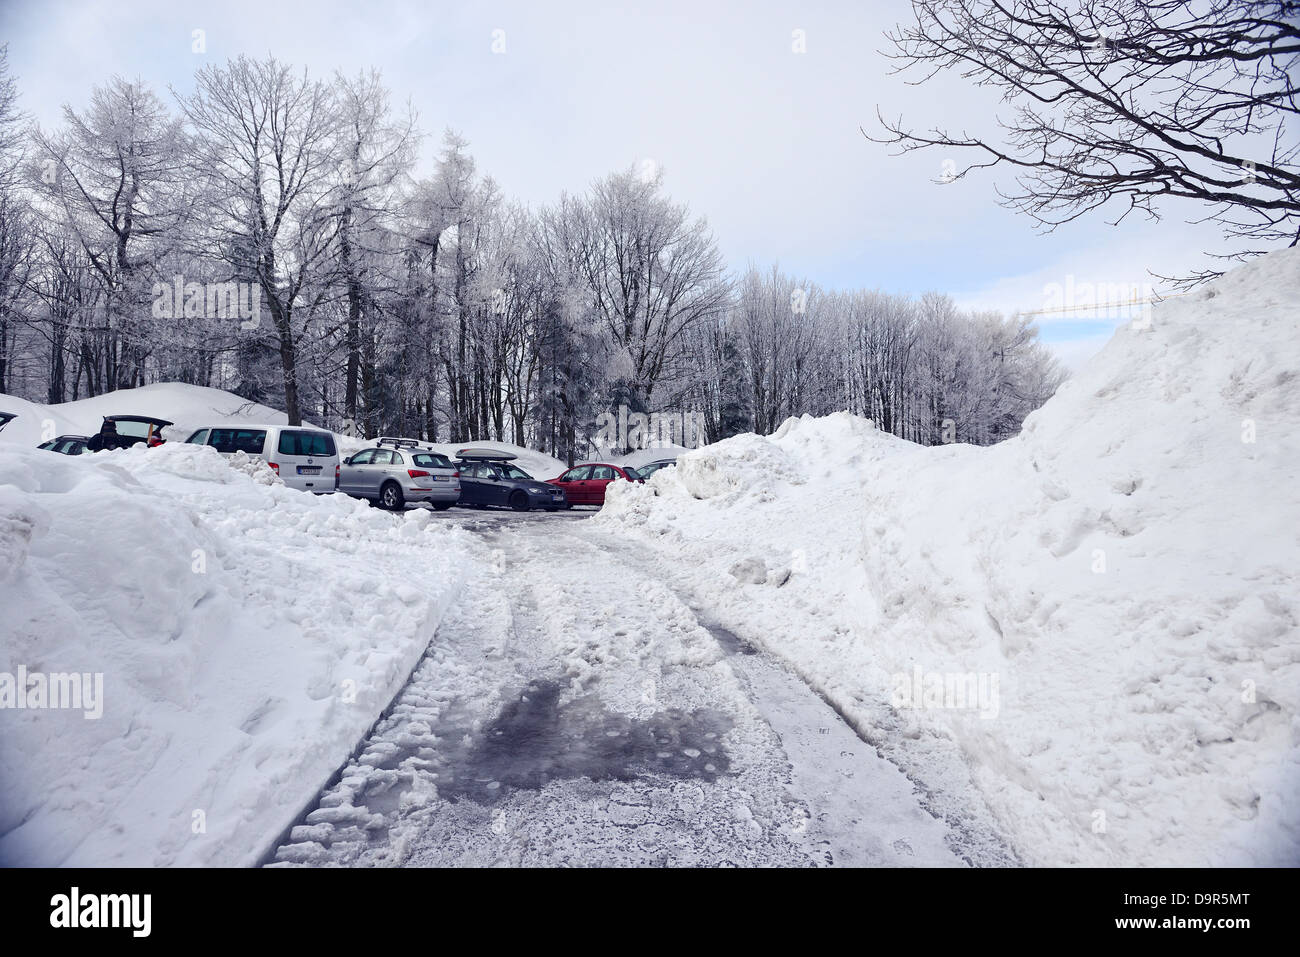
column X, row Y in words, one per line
column 248, row 636
column 188, row 406
column 1079, row 646
column 1120, row 578
column 563, row 717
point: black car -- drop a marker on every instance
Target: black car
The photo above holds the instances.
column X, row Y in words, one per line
column 124, row 431
column 488, row 478
column 67, row 444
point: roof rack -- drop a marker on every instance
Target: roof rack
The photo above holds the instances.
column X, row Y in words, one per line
column 398, row 443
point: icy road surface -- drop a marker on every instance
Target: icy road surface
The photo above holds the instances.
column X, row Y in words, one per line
column 572, row 709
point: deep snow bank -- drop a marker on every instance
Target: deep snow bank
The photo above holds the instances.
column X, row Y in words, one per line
column 1114, row 590
column 189, row 406
column 247, row 635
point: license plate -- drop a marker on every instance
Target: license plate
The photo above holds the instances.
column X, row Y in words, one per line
column 309, row 470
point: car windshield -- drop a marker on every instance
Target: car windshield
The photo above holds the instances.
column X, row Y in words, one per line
column 514, row 472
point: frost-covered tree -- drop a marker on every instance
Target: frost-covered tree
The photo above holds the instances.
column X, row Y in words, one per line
column 265, row 148
column 113, row 175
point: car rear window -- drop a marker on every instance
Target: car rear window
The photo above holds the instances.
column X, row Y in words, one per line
column 238, row 440
column 294, row 442
column 431, row 460
column 134, row 430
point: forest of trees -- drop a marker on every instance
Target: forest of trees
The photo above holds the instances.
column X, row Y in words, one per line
column 376, row 300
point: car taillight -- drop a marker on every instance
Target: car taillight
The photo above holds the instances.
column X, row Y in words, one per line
column 416, row 473
column 455, row 475
column 275, row 467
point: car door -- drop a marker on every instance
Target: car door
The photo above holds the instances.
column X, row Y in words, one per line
column 497, row 488
column 601, row 475
column 471, row 488
column 351, row 472
column 376, row 472
column 307, row 458
column 574, row 484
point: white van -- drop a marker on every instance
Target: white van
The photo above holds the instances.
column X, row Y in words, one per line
column 304, row 457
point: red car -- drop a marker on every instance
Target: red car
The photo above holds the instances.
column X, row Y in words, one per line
column 585, row 484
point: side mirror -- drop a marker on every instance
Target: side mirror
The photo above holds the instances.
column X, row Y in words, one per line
column 348, row 460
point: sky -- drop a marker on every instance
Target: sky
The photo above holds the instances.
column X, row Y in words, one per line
column 754, row 112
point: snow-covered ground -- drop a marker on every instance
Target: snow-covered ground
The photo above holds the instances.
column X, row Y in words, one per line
column 1079, row 646
column 574, row 710
column 248, row 635
column 1115, row 588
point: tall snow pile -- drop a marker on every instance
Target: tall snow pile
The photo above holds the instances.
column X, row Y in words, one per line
column 1092, row 626
column 189, row 406
column 237, row 639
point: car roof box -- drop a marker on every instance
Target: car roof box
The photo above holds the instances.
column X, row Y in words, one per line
column 485, row 455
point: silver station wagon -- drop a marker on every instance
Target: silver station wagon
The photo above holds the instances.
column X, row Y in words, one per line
column 396, row 471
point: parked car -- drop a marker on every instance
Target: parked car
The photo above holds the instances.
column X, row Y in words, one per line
column 650, row 468
column 585, row 484
column 124, row 431
column 66, row 444
column 487, row 477
column 6, row 418
column 396, row 471
column 304, row 457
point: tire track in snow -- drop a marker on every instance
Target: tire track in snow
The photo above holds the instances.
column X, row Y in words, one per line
column 572, row 710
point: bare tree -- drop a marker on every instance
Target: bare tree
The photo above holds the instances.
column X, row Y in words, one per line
column 266, row 149
column 651, row 273
column 377, row 150
column 15, row 225
column 1126, row 101
column 112, row 174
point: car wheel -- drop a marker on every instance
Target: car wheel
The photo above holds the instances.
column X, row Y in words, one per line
column 442, row 506
column 391, row 498
column 519, row 501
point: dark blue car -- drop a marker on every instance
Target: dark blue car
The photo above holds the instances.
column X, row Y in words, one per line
column 487, row 477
